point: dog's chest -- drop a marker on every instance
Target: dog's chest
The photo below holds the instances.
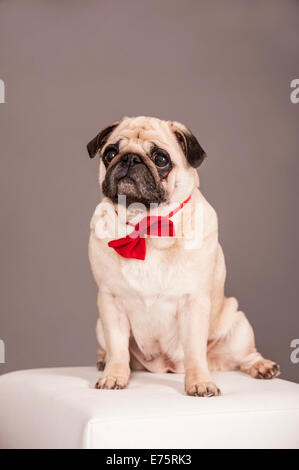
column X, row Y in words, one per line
column 163, row 274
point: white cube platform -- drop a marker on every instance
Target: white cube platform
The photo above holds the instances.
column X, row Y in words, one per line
column 59, row 408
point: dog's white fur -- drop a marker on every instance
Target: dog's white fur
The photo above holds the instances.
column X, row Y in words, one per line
column 168, row 312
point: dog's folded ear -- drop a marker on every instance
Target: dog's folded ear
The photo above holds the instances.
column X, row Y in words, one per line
column 190, row 146
column 100, row 139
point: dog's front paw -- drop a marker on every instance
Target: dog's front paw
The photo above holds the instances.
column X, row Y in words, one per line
column 112, row 382
column 115, row 377
column 202, row 389
column 264, row 369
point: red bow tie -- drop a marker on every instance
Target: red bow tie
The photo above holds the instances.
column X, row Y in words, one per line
column 133, row 245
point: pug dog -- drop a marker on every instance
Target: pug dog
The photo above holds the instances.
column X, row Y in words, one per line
column 161, row 299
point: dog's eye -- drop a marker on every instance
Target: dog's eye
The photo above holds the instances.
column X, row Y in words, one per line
column 110, row 153
column 161, row 160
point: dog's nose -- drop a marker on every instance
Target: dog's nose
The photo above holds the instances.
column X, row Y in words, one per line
column 131, row 159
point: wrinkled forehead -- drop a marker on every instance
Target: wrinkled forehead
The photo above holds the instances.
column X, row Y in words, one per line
column 140, row 134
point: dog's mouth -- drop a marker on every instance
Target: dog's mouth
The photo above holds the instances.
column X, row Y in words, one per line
column 125, row 178
column 136, row 184
column 126, row 185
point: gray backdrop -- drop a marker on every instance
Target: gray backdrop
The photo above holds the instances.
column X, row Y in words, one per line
column 70, row 68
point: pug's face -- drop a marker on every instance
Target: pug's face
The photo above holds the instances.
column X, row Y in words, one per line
column 147, row 160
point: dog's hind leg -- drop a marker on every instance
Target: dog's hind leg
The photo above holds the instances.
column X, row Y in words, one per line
column 232, row 345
